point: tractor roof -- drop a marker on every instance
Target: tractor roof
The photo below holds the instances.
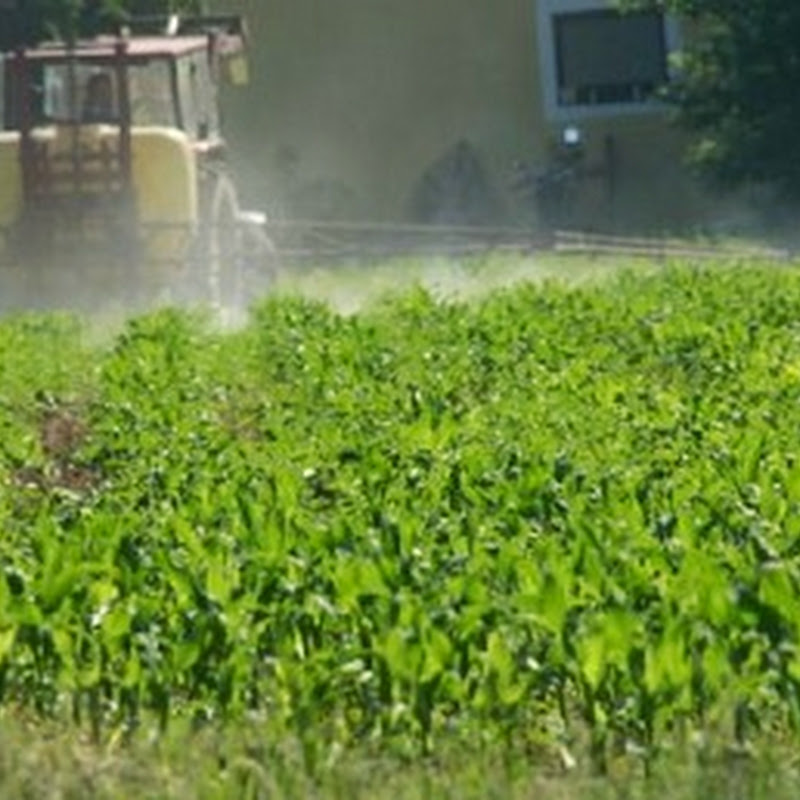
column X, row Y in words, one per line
column 104, row 48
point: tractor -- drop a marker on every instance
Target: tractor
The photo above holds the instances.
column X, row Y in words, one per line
column 112, row 160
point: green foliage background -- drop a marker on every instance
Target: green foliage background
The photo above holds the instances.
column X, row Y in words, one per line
column 735, row 87
column 30, row 21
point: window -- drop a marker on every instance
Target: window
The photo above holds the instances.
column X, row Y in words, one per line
column 94, row 98
column 595, row 60
column 607, row 57
column 3, row 120
column 150, row 89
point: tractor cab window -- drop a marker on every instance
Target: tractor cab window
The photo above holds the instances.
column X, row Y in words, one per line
column 197, row 92
column 99, row 102
column 90, row 97
column 87, row 93
column 151, row 93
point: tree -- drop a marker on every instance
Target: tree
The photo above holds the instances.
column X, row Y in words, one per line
column 30, row 21
column 736, row 88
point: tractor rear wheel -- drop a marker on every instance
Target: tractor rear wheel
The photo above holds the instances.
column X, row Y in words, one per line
column 232, row 259
column 212, row 255
column 225, row 245
column 242, row 257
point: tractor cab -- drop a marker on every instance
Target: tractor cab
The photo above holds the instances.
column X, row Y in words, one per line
column 126, row 79
column 117, row 141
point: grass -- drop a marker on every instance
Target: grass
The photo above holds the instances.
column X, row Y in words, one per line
column 39, row 760
column 42, row 762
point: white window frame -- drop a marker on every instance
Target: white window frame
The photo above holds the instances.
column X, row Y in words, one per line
column 3, row 120
column 546, row 11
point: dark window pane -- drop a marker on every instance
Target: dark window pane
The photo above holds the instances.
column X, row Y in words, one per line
column 608, row 57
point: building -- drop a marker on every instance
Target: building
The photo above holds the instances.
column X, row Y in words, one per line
column 366, row 109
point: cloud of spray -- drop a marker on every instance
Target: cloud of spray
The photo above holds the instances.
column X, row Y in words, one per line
column 106, row 300
column 352, row 288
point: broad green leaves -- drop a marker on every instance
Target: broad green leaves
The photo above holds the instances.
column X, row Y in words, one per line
column 573, row 503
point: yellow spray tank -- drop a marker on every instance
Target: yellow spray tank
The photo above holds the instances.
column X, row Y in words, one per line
column 165, row 190
column 165, row 183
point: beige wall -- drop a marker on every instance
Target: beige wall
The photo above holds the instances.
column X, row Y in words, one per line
column 351, row 100
column 366, row 93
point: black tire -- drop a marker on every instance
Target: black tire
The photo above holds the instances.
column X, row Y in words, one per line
column 233, row 261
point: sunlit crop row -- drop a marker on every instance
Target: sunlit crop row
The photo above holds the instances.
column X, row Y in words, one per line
column 548, row 511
